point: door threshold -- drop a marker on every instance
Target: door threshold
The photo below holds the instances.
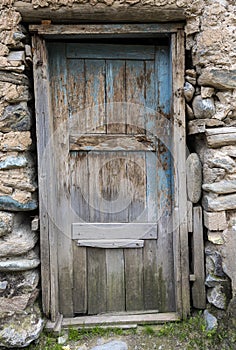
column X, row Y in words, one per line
column 120, row 320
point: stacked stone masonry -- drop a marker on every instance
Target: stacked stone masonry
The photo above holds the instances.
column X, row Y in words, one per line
column 210, row 93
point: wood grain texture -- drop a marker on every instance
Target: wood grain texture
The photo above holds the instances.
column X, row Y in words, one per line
column 134, row 279
column 112, row 142
column 43, row 127
column 198, row 288
column 121, row 319
column 97, row 291
column 115, row 280
column 179, row 153
column 79, row 279
column 111, row 243
column 110, row 51
column 114, row 231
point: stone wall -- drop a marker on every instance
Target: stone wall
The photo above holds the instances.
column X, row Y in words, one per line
column 210, row 92
column 20, row 319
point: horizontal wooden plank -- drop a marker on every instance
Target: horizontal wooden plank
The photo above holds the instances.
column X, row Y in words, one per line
column 110, row 51
column 121, row 319
column 114, row 142
column 113, row 231
column 111, row 243
column 104, row 30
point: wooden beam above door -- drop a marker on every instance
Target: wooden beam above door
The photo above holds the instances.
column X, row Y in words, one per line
column 69, row 31
column 100, row 12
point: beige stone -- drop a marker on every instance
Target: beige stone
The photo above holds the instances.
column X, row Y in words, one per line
column 14, row 93
column 194, row 177
column 215, row 237
column 215, row 221
column 15, row 141
column 207, row 91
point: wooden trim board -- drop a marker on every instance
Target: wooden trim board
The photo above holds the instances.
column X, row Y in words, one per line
column 120, row 319
column 105, row 30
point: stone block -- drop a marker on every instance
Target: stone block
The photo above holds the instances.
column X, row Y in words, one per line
column 20, row 330
column 8, row 203
column 25, row 262
column 20, row 240
column 13, row 162
column 221, row 187
column 15, row 141
column 194, row 177
column 218, row 78
column 14, row 78
column 13, row 93
column 203, row 108
column 226, row 202
column 220, row 160
column 188, row 91
column 211, row 321
column 207, row 92
column 215, row 237
column 199, row 126
column 16, row 117
column 6, row 223
column 217, row 297
column 112, row 345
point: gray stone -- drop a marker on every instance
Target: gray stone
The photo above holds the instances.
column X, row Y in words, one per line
column 212, row 281
column 203, row 108
column 211, row 321
column 229, row 151
column 218, row 78
column 220, row 160
column 198, row 126
column 221, row 187
column 194, row 177
column 213, row 262
column 8, row 203
column 17, row 303
column 6, row 223
column 216, row 297
column 14, row 78
column 188, row 91
column 29, row 261
column 20, row 240
column 211, row 175
column 226, row 202
column 62, row 339
column 13, row 162
column 21, row 329
column 112, row 345
column 16, row 117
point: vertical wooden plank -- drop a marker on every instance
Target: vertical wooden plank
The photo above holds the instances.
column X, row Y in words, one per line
column 76, row 95
column 97, row 291
column 115, row 97
column 134, row 279
column 44, row 130
column 95, row 96
column 151, row 114
column 79, row 279
column 115, row 280
column 165, row 263
column 151, row 281
column 135, row 96
column 61, row 210
column 198, row 288
column 190, row 216
column 179, row 154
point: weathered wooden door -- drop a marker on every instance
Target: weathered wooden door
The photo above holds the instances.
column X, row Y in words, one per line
column 111, row 176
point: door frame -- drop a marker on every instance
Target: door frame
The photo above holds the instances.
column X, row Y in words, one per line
column 48, row 241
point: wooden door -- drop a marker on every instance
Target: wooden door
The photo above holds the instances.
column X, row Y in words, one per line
column 111, row 180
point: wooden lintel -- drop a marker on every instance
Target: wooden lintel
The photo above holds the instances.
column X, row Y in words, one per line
column 118, row 12
column 105, row 30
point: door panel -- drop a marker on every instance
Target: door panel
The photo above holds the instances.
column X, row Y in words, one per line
column 116, row 183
